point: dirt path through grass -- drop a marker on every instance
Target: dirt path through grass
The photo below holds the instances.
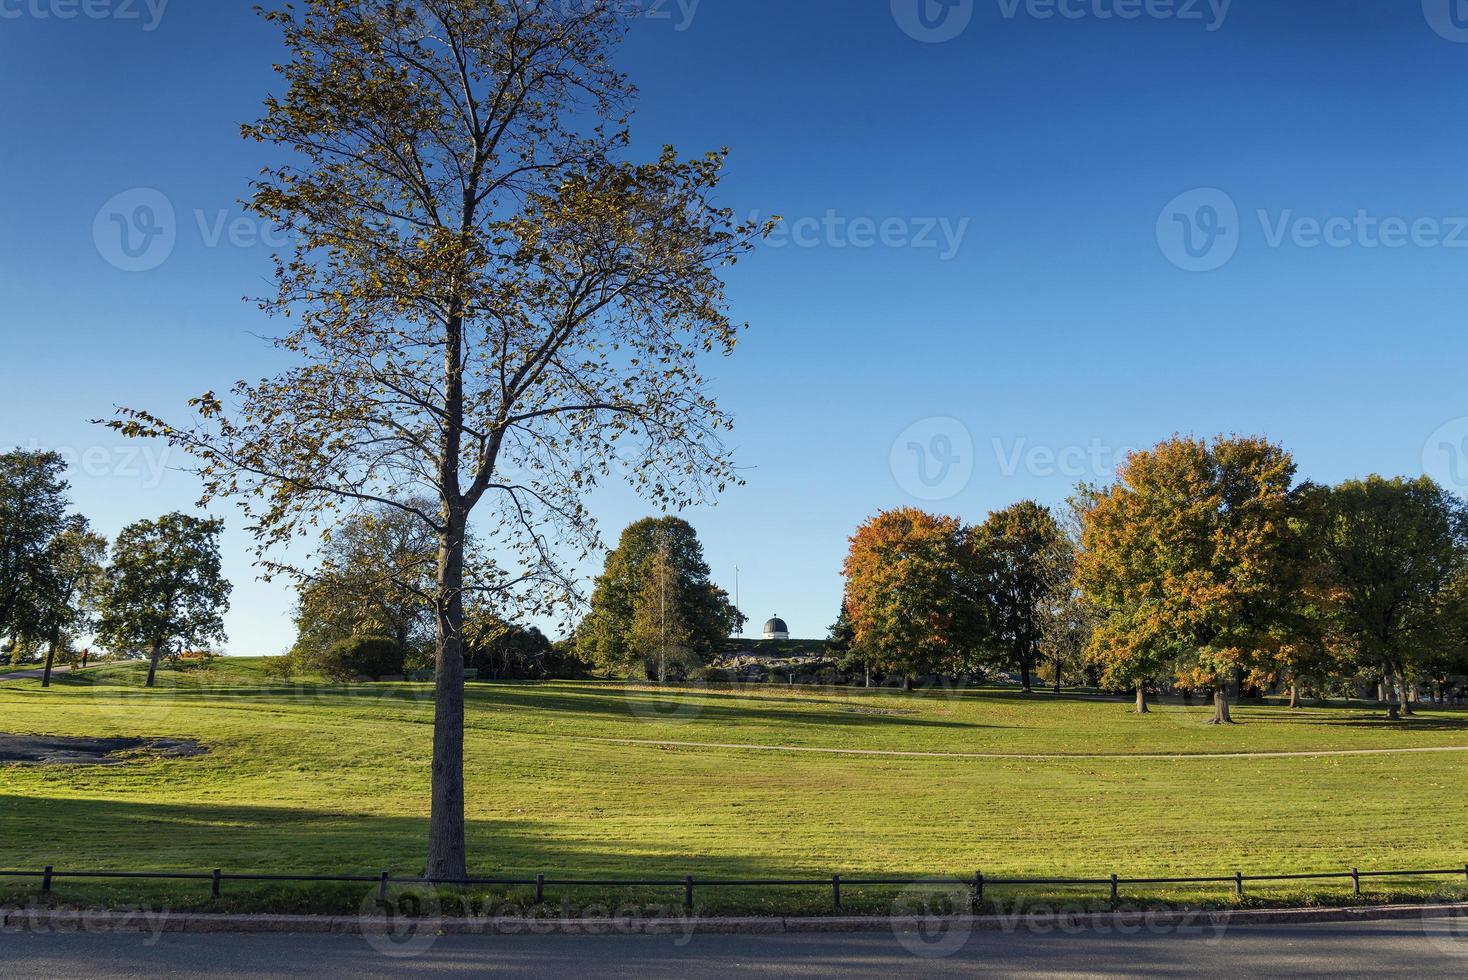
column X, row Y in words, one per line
column 1010, row 756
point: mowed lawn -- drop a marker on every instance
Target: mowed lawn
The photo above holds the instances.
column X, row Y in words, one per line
column 578, row 779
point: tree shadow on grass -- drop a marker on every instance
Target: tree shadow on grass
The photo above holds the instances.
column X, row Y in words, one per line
column 114, row 835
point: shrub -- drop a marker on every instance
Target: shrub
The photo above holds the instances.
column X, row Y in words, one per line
column 277, row 668
column 362, row 656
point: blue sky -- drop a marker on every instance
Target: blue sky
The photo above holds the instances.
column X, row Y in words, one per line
column 1019, row 241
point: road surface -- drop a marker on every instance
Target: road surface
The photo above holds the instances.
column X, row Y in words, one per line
column 32, row 672
column 1411, row 948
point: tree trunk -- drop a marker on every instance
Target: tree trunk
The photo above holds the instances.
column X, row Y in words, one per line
column 1294, row 693
column 1404, row 700
column 50, row 659
column 1142, row 708
column 866, row 671
column 1024, row 678
column 1221, row 714
column 447, row 852
column 153, row 662
column 1057, row 675
column 907, row 683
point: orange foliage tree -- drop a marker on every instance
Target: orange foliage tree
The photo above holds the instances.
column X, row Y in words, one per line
column 906, row 593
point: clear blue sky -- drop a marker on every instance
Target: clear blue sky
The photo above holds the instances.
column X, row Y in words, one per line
column 983, row 247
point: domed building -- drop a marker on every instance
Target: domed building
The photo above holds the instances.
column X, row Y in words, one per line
column 776, row 629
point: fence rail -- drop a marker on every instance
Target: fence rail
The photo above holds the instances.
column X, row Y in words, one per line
column 976, row 885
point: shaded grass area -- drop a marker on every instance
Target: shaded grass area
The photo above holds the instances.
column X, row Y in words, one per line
column 313, row 778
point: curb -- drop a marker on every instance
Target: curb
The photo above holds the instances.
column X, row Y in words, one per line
column 1132, row 920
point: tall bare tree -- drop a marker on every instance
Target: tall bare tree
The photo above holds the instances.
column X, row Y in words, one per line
column 493, row 309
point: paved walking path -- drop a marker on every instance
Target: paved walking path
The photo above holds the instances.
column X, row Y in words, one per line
column 1016, row 756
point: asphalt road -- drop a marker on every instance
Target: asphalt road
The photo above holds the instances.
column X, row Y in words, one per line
column 1411, row 948
column 35, row 673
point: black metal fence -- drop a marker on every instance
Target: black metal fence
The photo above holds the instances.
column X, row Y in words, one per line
column 976, row 885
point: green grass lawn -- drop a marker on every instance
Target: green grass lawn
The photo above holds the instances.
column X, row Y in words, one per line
column 311, row 778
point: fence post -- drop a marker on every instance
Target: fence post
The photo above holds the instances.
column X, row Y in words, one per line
column 1356, row 881
column 836, row 891
column 382, row 887
column 978, row 891
column 688, row 893
column 216, row 876
column 1113, row 888
column 539, row 888
column 1239, row 884
column 46, row 879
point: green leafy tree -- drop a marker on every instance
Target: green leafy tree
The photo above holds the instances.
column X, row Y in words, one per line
column 164, row 588
column 376, row 577
column 1191, row 560
column 493, row 309
column 1395, row 548
column 660, row 634
column 1022, row 558
column 508, row 651
column 71, row 587
column 33, row 507
column 632, row 600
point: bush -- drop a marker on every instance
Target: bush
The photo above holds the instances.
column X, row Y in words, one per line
column 363, row 656
column 278, row 668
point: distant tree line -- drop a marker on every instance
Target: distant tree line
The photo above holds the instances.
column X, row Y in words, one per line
column 366, row 610
column 1206, row 567
column 162, row 592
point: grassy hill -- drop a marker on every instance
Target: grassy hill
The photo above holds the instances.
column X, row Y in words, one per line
column 583, row 779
